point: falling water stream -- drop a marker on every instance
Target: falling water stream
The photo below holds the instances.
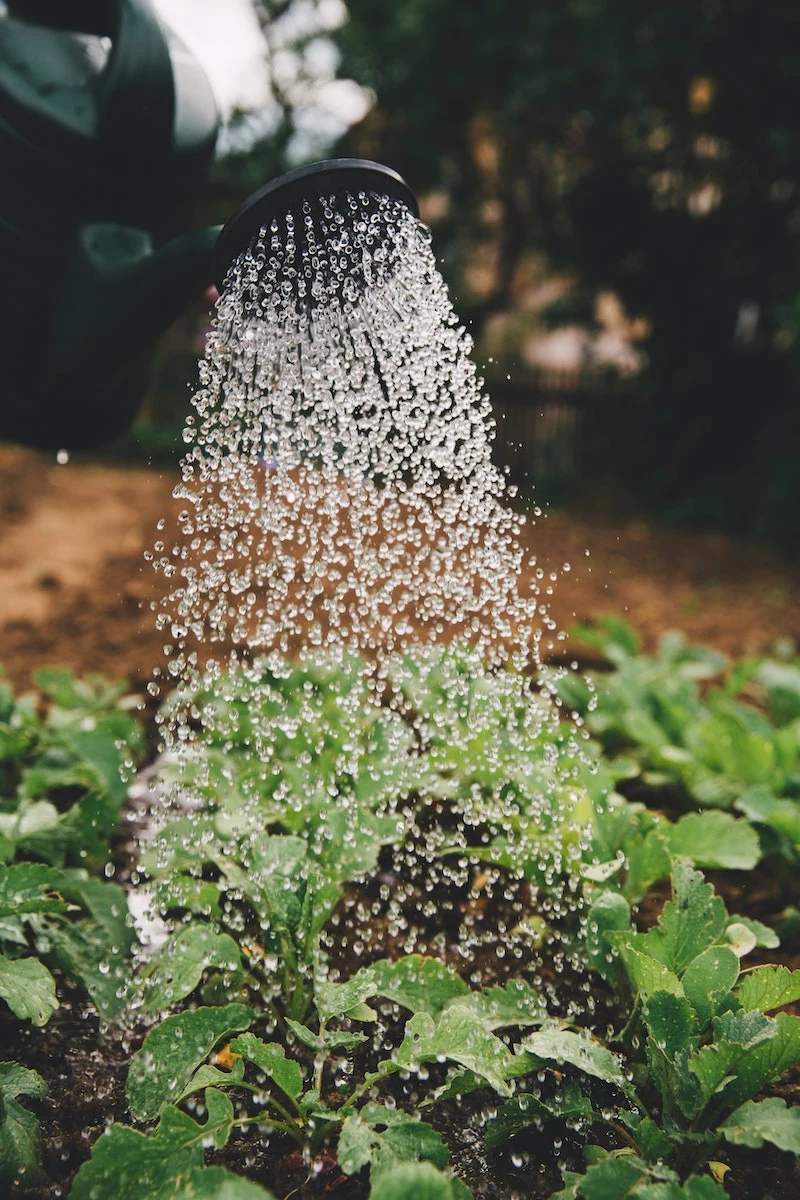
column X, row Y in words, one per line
column 339, row 499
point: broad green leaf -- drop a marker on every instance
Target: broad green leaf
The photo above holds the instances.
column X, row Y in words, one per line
column 648, row 861
column 696, row 1187
column 271, row 1058
column 513, row 1003
column 30, row 888
column 183, row 960
column 216, row 1183
column 524, row 1110
column 211, row 1076
column 129, row 1165
column 767, row 988
column 419, row 983
column 20, row 1135
column 646, row 974
column 691, row 921
column 332, row 1039
column 736, row 1035
column 172, row 1051
column 28, row 989
column 615, row 1178
column 753, row 1123
column 420, row 1181
column 385, row 1137
column 564, row 1046
column 715, row 839
column 712, row 973
column 767, row 1060
column 458, row 1036
column 609, row 913
column 671, row 1023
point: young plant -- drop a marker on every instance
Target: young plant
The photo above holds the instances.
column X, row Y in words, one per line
column 698, row 1045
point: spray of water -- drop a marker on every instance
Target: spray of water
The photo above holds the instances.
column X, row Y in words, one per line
column 340, row 505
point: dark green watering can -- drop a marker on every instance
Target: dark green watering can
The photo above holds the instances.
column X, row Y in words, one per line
column 107, row 132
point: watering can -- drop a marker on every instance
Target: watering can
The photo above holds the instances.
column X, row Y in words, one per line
column 107, row 134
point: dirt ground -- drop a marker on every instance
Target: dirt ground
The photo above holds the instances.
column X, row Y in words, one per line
column 75, row 589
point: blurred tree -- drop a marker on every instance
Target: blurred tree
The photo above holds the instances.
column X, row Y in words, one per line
column 654, row 148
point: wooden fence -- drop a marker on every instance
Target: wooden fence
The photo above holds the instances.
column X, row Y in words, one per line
column 550, row 423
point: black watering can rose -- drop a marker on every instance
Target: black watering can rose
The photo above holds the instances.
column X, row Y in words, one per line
column 107, row 132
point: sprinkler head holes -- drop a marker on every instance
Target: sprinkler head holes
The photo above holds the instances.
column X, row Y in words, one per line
column 306, row 191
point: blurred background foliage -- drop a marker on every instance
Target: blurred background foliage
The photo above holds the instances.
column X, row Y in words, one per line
column 629, row 172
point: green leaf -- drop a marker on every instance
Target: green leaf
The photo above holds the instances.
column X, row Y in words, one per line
column 715, row 839
column 736, row 1036
column 420, row 1180
column 614, row 1178
column 671, row 1023
column 30, row 888
column 385, row 1137
column 696, row 1187
column 609, row 913
column 216, row 1183
column 461, row 1037
column 172, row 1051
column 712, row 974
column 129, row 1165
column 513, row 1003
column 525, row 1110
column 646, row 974
column 183, row 960
column 20, row 1135
column 564, row 1046
column 332, row 1039
column 419, row 983
column 28, row 989
column 766, row 1060
column 753, row 1123
column 211, row 1076
column 219, row 1119
column 691, row 921
column 768, row 988
column 271, row 1058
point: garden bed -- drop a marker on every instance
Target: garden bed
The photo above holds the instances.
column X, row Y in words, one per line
column 462, row 980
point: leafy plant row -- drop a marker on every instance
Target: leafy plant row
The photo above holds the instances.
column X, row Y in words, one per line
column 267, row 1037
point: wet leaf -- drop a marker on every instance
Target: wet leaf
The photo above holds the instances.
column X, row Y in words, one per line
column 513, row 1003
column 183, row 960
column 172, row 1051
column 563, row 1046
column 458, row 1036
column 129, row 1165
column 715, row 839
column 767, row 988
column 525, row 1110
column 691, row 921
column 420, row 1180
column 28, row 989
column 271, row 1058
column 384, row 1137
column 770, row 1120
column 712, row 974
column 20, row 1134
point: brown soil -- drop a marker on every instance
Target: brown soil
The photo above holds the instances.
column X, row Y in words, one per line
column 75, row 589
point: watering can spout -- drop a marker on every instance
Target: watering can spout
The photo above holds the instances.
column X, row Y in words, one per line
column 118, row 295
